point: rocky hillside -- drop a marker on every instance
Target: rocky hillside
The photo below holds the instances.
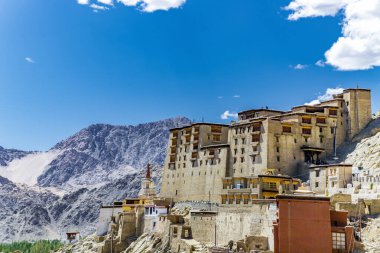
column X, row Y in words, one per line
column 44, row 194
column 364, row 150
column 23, row 212
column 8, row 155
column 109, row 151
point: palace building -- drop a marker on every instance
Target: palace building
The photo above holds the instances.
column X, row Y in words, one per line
column 204, row 158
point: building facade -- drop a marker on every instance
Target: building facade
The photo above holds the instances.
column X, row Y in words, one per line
column 306, row 224
column 329, row 179
column 201, row 157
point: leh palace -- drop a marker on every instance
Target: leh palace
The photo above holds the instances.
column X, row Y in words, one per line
column 269, row 182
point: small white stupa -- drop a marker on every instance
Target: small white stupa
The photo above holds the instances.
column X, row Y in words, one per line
column 148, row 189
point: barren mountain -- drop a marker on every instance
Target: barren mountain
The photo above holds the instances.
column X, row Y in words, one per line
column 44, row 194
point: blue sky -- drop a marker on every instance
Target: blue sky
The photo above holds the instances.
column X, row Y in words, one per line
column 64, row 66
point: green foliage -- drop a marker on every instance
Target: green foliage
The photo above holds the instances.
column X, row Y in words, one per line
column 42, row 246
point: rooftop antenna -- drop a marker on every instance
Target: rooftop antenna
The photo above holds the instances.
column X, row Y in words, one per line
column 203, row 120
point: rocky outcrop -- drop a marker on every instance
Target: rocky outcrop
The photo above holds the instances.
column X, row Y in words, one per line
column 8, row 155
column 364, row 150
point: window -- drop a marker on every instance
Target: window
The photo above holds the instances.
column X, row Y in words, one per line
column 321, row 120
column 317, row 173
column 243, row 141
column 339, row 240
column 332, row 130
column 306, row 130
column 278, row 158
column 321, row 139
column 242, row 150
column 306, row 120
column 320, row 129
column 278, row 149
column 255, row 138
column 333, row 112
column 216, row 137
column 242, row 159
column 235, row 151
column 295, row 140
column 286, row 129
column 235, row 159
column 236, row 141
column 277, row 139
column 316, row 184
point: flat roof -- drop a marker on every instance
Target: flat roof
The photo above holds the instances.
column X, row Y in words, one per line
column 330, row 165
column 350, row 89
column 199, row 124
column 302, row 197
column 276, row 176
column 261, row 110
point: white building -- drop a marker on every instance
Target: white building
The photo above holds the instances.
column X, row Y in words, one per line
column 329, row 179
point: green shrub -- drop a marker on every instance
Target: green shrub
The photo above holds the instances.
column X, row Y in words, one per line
column 43, row 246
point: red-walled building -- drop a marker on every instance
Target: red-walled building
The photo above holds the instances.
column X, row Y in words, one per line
column 305, row 224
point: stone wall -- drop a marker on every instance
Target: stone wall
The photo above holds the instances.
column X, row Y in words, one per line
column 203, row 226
column 235, row 223
column 197, row 205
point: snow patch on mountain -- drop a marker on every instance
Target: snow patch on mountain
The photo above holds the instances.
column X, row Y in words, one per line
column 27, row 169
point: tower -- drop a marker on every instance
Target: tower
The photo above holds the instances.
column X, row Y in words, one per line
column 148, row 189
column 359, row 111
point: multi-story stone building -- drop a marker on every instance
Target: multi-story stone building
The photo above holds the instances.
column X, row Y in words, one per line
column 202, row 156
column 329, row 179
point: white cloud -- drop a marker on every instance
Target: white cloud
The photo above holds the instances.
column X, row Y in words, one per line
column 314, row 8
column 83, row 1
column 107, row 2
column 154, row 5
column 30, row 60
column 228, row 114
column 359, row 46
column 236, row 96
column 320, row 63
column 220, row 97
column 129, row 2
column 329, row 94
column 97, row 7
column 143, row 5
column 298, row 66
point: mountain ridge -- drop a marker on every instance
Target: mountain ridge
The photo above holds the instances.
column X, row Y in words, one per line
column 98, row 164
